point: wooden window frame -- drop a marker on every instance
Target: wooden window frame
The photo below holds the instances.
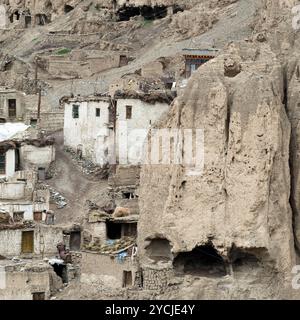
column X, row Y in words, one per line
column 75, row 111
column 14, row 115
column 3, row 169
column 128, row 112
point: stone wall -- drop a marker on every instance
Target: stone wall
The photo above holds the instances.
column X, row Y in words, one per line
column 33, row 157
column 45, row 240
column 156, row 279
column 22, row 281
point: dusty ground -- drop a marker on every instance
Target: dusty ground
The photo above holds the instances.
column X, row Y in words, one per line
column 74, row 185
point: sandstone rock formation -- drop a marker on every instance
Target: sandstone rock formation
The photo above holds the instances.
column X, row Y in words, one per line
column 247, row 199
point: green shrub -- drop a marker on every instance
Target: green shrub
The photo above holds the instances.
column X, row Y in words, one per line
column 63, row 51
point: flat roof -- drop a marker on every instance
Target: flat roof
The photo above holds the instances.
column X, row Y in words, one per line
column 8, row 130
column 200, row 52
column 87, row 99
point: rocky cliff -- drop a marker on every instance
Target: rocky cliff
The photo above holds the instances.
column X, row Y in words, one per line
column 243, row 210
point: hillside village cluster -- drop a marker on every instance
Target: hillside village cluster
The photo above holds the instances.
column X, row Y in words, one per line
column 39, row 256
column 104, row 193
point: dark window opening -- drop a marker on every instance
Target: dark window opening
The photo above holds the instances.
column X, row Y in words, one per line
column 18, row 216
column 127, row 279
column 41, row 173
column 201, row 261
column 11, row 18
column 68, row 8
column 12, row 108
column 27, row 21
column 75, row 240
column 148, row 12
column 2, row 120
column 159, row 250
column 129, row 229
column 2, row 163
column 113, row 230
column 27, row 241
column 41, row 19
column 17, row 15
column 128, row 195
column 97, row 112
column 17, row 160
column 33, row 122
column 38, row 296
column 61, row 271
column 123, row 61
column 128, row 112
column 152, row 13
column 75, row 111
column 38, row 216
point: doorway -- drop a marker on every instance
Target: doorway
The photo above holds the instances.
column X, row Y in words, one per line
column 127, row 279
column 27, row 241
column 75, row 240
column 12, row 108
column 38, row 296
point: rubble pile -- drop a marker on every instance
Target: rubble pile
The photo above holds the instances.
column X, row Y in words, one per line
column 87, row 166
column 57, row 198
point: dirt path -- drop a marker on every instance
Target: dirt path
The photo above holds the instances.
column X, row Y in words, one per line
column 74, row 185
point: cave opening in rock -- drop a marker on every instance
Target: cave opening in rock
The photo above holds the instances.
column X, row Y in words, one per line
column 159, row 250
column 148, row 12
column 68, row 8
column 153, row 13
column 41, row 19
column 202, row 261
column 242, row 260
column 125, row 13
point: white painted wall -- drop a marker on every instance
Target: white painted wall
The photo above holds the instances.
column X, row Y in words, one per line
column 12, row 190
column 10, row 242
column 11, row 208
column 144, row 115
column 34, row 157
column 27, row 208
column 88, row 130
column 9, row 163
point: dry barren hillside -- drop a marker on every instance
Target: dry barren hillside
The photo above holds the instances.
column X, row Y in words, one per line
column 239, row 221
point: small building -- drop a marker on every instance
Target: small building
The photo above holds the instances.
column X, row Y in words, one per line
column 99, row 127
column 27, row 280
column 27, row 240
column 87, row 127
column 136, row 114
column 110, row 242
column 12, row 106
column 23, row 161
column 194, row 58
